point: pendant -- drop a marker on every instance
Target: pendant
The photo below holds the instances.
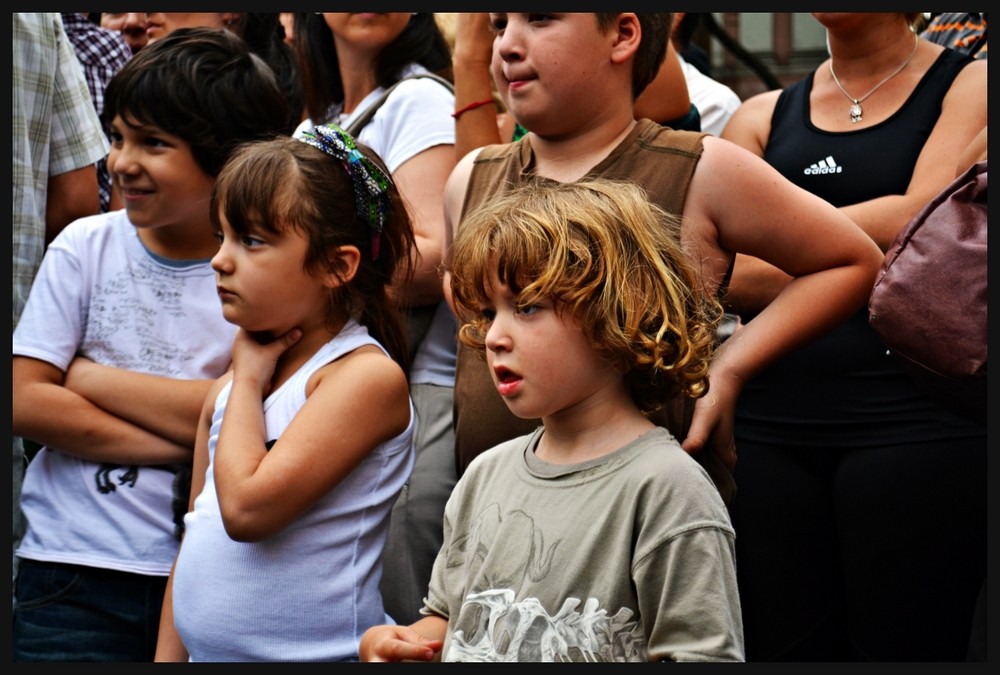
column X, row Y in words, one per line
column 856, row 112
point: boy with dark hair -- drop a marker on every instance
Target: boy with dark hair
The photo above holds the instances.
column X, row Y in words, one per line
column 572, row 80
column 651, row 52
column 122, row 336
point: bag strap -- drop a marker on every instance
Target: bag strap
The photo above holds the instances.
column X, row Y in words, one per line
column 364, row 118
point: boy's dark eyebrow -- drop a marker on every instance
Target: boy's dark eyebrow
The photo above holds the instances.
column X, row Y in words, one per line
column 130, row 120
column 141, row 126
column 144, row 127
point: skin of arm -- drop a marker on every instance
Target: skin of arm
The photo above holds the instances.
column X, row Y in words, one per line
column 165, row 406
column 471, row 67
column 454, row 198
column 70, row 195
column 738, row 202
column 49, row 413
column 420, row 180
column 975, row 153
column 963, row 115
column 755, row 283
column 420, row 641
column 169, row 646
column 261, row 492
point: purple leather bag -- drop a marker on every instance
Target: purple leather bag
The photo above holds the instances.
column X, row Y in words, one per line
column 929, row 302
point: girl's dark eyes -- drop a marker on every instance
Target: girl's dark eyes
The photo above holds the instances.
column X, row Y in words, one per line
column 245, row 240
column 251, row 242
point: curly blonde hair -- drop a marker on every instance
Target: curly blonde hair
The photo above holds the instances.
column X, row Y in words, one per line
column 608, row 258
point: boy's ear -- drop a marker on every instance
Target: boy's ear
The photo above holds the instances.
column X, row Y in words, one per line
column 343, row 265
column 628, row 34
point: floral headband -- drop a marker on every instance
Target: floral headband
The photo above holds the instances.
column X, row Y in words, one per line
column 371, row 184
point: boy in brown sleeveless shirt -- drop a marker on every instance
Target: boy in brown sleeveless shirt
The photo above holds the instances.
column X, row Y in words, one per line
column 572, row 79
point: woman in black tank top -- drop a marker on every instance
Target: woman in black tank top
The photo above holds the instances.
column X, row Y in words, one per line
column 861, row 516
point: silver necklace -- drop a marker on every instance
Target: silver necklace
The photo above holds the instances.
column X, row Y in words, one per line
column 856, row 102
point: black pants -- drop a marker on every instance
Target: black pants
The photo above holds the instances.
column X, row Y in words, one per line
column 863, row 555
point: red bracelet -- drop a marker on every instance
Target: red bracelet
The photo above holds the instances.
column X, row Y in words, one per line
column 471, row 106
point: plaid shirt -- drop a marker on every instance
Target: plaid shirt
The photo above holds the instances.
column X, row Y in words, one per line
column 101, row 53
column 55, row 130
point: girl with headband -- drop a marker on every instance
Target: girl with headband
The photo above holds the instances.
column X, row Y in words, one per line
column 303, row 447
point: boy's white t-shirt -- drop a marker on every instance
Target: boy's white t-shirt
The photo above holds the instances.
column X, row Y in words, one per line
column 101, row 294
column 715, row 101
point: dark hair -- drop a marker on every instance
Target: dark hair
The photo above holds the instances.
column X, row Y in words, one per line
column 283, row 183
column 420, row 42
column 265, row 36
column 203, row 85
column 686, row 28
column 652, row 49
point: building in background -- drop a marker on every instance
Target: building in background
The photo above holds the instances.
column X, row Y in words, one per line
column 752, row 52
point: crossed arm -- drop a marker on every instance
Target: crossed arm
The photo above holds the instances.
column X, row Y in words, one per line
column 106, row 414
column 756, row 283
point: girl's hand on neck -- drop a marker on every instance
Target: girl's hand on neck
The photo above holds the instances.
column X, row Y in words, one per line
column 256, row 355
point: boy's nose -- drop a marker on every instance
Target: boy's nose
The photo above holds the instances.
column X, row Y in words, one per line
column 122, row 160
column 508, row 44
column 497, row 338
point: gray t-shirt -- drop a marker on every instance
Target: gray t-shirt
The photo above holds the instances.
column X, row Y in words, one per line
column 629, row 557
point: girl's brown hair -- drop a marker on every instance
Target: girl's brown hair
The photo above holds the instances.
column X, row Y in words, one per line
column 284, row 182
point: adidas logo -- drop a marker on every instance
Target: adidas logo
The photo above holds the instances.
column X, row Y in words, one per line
column 824, row 166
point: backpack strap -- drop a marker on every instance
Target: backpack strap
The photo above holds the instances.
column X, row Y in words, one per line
column 418, row 319
column 364, row 118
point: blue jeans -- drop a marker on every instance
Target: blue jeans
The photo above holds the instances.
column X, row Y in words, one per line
column 76, row 613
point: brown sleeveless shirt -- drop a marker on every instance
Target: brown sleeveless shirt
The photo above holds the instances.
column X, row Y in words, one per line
column 658, row 159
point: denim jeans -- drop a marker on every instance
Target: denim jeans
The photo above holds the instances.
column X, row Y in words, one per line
column 75, row 613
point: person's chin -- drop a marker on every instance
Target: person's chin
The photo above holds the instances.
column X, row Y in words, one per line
column 520, row 409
